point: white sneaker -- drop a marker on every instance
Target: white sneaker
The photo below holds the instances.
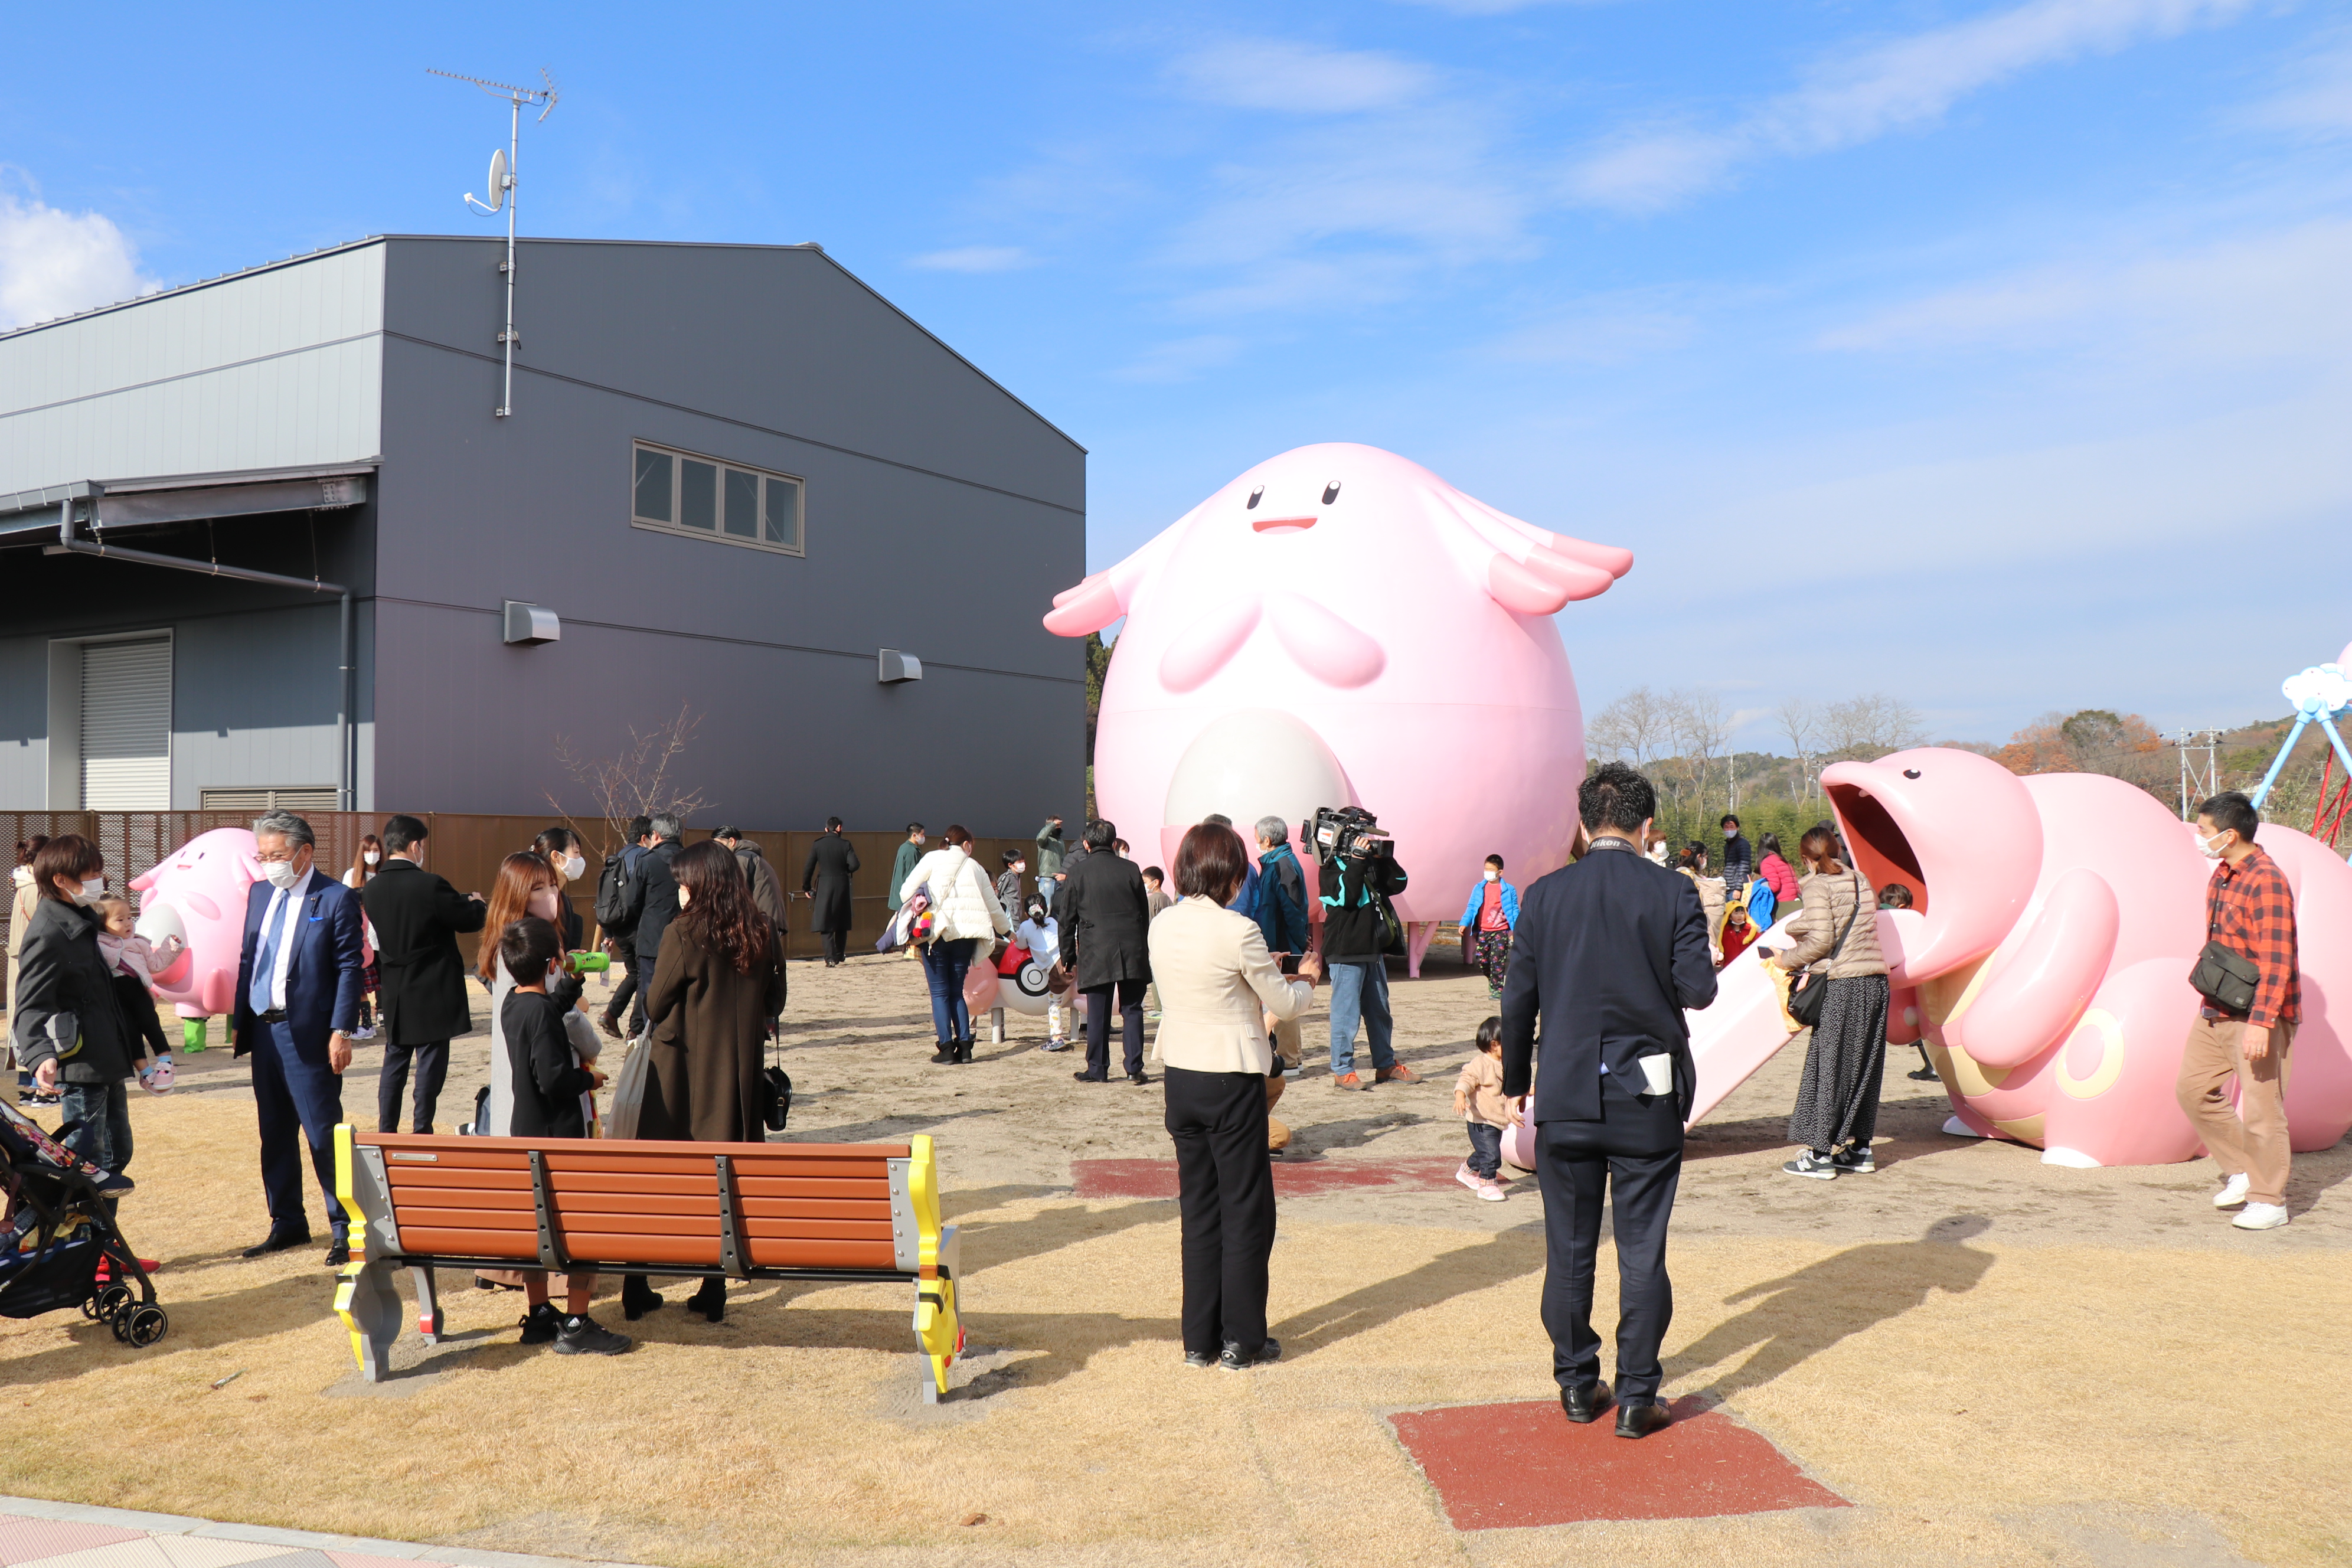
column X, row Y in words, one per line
column 2261, row 1216
column 2232, row 1193
column 1492, row 1193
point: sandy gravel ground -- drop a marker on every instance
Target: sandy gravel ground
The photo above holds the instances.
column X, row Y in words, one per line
column 1993, row 1359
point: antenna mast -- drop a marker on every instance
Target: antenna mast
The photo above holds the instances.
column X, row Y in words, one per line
column 502, row 184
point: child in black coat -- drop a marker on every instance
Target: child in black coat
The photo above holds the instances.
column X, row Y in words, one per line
column 547, row 1083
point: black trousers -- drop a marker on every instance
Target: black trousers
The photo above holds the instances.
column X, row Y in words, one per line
column 1224, row 1189
column 618, row 1003
column 1634, row 1152
column 432, row 1060
column 836, row 947
column 1130, row 1025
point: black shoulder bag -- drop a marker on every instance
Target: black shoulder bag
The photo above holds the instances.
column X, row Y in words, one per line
column 2224, row 977
column 1806, row 998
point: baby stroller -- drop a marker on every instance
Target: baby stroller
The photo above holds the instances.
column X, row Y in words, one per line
column 62, row 1246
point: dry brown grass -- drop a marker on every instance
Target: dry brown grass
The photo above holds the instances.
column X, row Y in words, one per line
column 1974, row 1398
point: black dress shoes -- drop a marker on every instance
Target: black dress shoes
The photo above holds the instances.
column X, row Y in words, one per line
column 1088, row 1077
column 1139, row 1080
column 278, row 1241
column 1641, row 1420
column 338, row 1255
column 1584, row 1402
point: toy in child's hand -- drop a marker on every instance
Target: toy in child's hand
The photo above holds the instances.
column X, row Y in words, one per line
column 158, row 1076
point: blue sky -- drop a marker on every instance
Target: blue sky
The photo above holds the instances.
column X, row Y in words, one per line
column 1992, row 356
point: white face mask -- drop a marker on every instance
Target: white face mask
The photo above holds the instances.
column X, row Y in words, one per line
column 1731, row 833
column 573, row 866
column 371, row 856
column 92, row 889
column 281, row 873
column 2209, row 848
column 1019, row 866
column 1492, row 875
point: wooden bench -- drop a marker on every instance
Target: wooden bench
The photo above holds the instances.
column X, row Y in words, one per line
column 739, row 1211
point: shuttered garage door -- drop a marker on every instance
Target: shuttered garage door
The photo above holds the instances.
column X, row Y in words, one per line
column 126, row 726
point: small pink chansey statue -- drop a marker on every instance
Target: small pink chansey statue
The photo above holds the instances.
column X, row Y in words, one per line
column 197, row 893
column 2054, row 922
column 1340, row 626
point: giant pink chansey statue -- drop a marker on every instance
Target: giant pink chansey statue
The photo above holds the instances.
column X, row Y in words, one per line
column 1339, row 625
column 2047, row 955
column 198, row 893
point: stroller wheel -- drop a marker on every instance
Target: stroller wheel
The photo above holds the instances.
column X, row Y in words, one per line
column 142, row 1326
column 109, row 1305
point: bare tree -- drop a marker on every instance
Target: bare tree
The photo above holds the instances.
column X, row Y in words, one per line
column 1634, row 729
column 1869, row 727
column 1702, row 729
column 1799, row 722
column 641, row 781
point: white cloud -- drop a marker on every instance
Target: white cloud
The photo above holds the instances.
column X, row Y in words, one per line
column 1877, row 89
column 53, row 263
column 1274, row 73
column 975, row 258
column 1182, row 360
column 2270, row 296
column 2315, row 98
column 1601, row 330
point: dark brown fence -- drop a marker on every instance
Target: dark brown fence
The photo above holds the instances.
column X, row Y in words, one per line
column 466, row 849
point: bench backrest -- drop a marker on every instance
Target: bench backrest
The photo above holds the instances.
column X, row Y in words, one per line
column 851, row 1206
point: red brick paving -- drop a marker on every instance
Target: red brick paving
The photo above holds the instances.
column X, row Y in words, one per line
column 1499, row 1467
column 1157, row 1178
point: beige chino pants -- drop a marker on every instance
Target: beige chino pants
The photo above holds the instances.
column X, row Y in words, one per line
column 2250, row 1140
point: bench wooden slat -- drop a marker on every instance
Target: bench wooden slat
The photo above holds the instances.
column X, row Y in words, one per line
column 419, row 1200
column 522, row 1244
column 426, row 1221
column 447, row 1140
column 428, row 1178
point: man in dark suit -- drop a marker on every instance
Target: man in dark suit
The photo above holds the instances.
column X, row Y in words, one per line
column 418, row 917
column 298, row 1001
column 1104, row 916
column 651, row 905
column 832, row 861
column 1609, row 951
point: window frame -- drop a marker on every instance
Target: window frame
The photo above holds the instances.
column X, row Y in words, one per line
column 678, row 529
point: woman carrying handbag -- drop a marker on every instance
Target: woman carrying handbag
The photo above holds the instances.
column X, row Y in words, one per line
column 964, row 913
column 1845, row 1003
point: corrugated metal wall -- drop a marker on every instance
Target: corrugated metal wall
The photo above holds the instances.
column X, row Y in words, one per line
column 281, row 368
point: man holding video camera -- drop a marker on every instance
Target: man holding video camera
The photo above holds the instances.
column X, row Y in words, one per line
column 1357, row 875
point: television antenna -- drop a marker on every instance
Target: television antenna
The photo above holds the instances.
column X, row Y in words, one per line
column 502, row 187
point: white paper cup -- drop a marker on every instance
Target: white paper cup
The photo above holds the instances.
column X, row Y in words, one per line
column 1660, row 1072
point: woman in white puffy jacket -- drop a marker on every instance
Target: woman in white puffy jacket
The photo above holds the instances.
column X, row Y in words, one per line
column 965, row 914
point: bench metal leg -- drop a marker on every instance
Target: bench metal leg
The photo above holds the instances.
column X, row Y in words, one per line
column 370, row 1308
column 428, row 1305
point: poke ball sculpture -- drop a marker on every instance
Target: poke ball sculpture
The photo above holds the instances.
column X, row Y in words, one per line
column 1016, row 983
column 1340, row 626
column 198, row 894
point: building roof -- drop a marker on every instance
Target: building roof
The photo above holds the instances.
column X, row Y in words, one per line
column 295, row 260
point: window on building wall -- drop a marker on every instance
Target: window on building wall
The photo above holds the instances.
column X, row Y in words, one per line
column 680, row 492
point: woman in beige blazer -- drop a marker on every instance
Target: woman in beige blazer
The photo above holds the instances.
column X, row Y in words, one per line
column 1216, row 986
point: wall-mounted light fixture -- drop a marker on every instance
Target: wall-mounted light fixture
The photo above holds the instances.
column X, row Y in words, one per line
column 531, row 624
column 896, row 666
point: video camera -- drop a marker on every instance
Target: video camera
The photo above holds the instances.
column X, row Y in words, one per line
column 1347, row 832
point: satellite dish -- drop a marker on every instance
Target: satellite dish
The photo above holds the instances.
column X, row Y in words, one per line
column 497, row 179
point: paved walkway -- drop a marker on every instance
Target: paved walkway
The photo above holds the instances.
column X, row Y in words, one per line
column 36, row 1534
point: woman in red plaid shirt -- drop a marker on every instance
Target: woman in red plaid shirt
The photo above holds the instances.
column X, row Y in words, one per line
column 2249, row 909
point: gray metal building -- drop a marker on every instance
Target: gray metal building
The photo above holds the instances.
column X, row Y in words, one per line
column 733, row 476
